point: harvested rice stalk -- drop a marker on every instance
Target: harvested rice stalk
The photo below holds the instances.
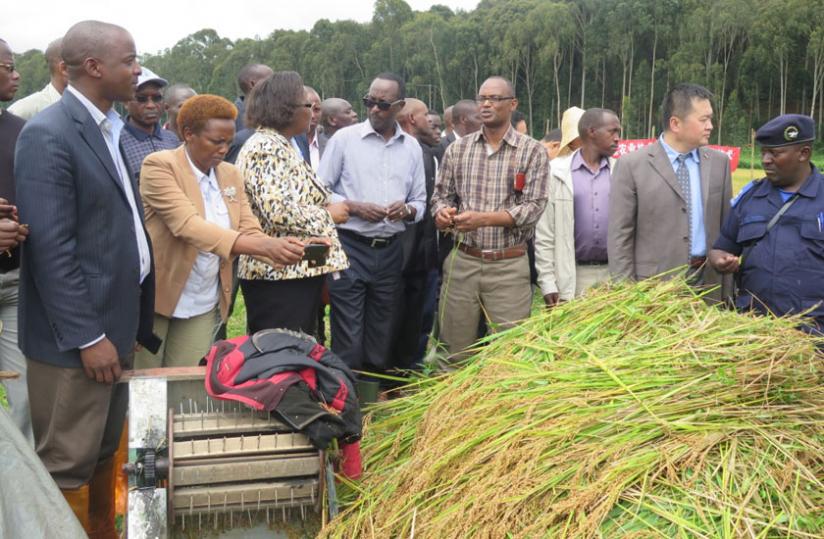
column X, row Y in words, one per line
column 637, row 411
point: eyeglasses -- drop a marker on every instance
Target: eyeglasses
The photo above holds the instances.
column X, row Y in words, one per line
column 8, row 67
column 146, row 98
column 368, row 102
column 481, row 99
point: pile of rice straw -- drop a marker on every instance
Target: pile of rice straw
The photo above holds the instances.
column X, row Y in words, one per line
column 637, row 411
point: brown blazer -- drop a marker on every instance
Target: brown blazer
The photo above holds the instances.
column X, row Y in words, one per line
column 648, row 223
column 175, row 221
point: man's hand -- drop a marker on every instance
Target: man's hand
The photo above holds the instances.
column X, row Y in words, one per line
column 339, row 212
column 367, row 211
column 286, row 251
column 469, row 220
column 398, row 211
column 22, row 233
column 723, row 262
column 101, row 362
column 7, row 211
column 443, row 219
column 552, row 299
column 10, row 234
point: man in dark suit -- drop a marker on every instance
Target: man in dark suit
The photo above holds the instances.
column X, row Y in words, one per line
column 335, row 114
column 669, row 200
column 86, row 282
column 416, row 309
column 249, row 75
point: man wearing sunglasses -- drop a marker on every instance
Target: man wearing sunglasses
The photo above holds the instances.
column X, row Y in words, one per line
column 142, row 133
column 378, row 170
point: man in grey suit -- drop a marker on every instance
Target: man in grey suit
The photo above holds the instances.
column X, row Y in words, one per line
column 86, row 282
column 669, row 200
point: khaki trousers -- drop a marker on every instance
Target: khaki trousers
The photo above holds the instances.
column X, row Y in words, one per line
column 471, row 286
column 588, row 276
column 185, row 341
column 77, row 421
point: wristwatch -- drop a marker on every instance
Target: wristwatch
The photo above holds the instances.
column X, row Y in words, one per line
column 406, row 211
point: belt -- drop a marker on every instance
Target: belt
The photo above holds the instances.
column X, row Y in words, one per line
column 592, row 263
column 375, row 243
column 491, row 255
column 697, row 261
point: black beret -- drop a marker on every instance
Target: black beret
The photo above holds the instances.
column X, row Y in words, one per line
column 786, row 130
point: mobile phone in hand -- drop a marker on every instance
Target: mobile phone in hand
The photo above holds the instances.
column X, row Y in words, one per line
column 315, row 254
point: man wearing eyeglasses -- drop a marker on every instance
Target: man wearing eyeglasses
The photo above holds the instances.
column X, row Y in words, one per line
column 490, row 192
column 378, row 170
column 142, row 133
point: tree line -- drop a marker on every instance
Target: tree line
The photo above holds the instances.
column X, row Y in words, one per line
column 759, row 57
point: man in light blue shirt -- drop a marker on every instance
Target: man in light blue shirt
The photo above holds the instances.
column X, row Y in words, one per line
column 377, row 169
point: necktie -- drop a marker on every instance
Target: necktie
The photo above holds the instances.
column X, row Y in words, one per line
column 682, row 174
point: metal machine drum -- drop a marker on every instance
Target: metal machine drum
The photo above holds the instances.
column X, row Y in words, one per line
column 200, row 467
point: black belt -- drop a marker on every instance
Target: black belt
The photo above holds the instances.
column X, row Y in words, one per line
column 375, row 243
column 592, row 263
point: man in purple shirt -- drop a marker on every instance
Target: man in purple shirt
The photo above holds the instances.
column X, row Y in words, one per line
column 571, row 236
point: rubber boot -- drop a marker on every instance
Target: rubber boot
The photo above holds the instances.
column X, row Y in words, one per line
column 101, row 501
column 367, row 392
column 78, row 500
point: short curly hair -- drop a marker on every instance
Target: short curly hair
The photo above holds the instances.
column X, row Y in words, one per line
column 274, row 101
column 199, row 109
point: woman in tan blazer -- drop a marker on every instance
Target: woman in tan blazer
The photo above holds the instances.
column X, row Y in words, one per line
column 199, row 219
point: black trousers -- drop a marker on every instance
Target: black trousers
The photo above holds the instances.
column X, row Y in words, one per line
column 287, row 304
column 364, row 301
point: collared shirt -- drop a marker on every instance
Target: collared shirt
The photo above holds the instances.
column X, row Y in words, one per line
column 698, row 236
column 783, row 271
column 30, row 105
column 471, row 180
column 110, row 126
column 314, row 152
column 591, row 209
column 137, row 144
column 360, row 165
column 295, row 146
column 200, row 293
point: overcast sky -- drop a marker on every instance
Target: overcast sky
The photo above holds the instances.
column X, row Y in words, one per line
column 158, row 24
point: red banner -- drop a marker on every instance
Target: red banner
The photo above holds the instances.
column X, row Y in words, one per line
column 627, row 146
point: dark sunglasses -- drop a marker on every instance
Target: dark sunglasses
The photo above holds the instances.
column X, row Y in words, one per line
column 146, row 98
column 368, row 102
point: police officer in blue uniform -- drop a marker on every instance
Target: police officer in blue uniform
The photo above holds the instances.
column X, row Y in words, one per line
column 774, row 236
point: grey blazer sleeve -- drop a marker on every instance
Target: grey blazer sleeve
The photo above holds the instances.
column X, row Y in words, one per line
column 623, row 206
column 46, row 198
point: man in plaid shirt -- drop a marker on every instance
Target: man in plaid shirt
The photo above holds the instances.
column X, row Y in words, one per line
column 490, row 192
column 142, row 133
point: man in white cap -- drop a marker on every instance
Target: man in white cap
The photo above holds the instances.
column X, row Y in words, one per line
column 142, row 133
column 570, row 140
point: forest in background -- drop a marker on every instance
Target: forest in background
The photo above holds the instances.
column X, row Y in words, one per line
column 759, row 57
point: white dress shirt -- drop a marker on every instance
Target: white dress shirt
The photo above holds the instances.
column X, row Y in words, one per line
column 110, row 126
column 314, row 152
column 200, row 293
column 30, row 105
